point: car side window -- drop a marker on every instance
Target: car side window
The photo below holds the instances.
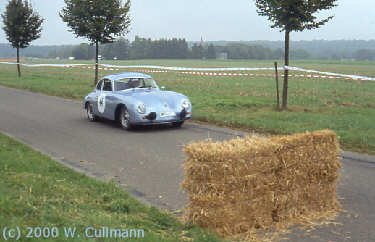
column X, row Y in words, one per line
column 99, row 85
column 107, row 86
column 119, row 86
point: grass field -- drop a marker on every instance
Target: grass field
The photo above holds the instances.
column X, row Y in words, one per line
column 35, row 191
column 347, row 107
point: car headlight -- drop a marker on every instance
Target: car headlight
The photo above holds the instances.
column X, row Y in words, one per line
column 185, row 104
column 141, row 108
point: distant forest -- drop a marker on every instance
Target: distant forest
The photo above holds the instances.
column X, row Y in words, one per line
column 142, row 48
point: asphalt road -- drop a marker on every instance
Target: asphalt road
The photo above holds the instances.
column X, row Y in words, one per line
column 148, row 161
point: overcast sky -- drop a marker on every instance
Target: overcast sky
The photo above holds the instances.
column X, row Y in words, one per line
column 210, row 19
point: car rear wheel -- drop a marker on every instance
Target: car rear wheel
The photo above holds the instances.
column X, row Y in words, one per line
column 90, row 114
column 178, row 124
column 125, row 119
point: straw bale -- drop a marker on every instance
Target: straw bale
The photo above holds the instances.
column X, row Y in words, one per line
column 251, row 183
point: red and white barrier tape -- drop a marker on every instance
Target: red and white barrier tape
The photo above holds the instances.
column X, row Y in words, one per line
column 209, row 71
column 349, row 77
column 260, row 75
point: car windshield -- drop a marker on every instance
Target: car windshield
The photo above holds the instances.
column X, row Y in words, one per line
column 128, row 83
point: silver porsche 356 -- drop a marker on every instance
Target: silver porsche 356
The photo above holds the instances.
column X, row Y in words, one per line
column 135, row 99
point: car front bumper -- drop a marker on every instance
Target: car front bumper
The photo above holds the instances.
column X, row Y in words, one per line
column 156, row 122
column 154, row 118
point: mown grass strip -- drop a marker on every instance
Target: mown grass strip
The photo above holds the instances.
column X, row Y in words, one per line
column 36, row 191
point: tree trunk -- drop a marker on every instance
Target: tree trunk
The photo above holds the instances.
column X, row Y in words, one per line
column 18, row 62
column 277, row 87
column 286, row 72
column 96, row 62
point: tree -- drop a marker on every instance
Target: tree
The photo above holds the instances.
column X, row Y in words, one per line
column 211, row 52
column 140, row 48
column 122, row 47
column 299, row 54
column 100, row 21
column 21, row 25
column 81, row 52
column 364, row 55
column 197, row 51
column 118, row 49
column 293, row 15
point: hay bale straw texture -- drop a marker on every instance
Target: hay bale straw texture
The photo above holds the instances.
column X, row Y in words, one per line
column 252, row 183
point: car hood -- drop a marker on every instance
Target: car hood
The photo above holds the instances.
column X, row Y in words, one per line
column 157, row 99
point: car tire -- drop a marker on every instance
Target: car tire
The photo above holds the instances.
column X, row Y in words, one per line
column 90, row 114
column 124, row 119
column 178, row 124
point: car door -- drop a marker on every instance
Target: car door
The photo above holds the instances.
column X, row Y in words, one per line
column 96, row 94
column 106, row 100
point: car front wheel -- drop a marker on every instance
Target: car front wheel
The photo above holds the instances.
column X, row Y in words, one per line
column 90, row 114
column 125, row 119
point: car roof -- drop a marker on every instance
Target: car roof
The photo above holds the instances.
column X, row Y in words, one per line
column 123, row 75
